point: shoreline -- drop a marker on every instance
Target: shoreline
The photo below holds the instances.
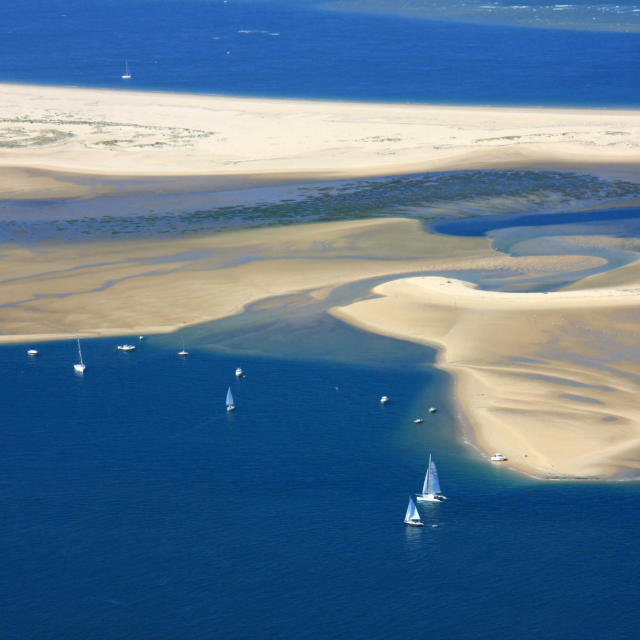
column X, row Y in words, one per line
column 555, row 416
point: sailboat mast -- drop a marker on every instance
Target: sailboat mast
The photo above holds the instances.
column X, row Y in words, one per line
column 80, row 352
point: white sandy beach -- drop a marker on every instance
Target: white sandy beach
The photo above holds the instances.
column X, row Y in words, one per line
column 128, row 133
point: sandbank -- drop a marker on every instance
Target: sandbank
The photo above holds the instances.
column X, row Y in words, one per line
column 551, row 380
column 159, row 285
column 48, row 134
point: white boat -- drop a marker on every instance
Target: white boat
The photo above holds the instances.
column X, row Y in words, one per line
column 80, row 366
column 126, row 347
column 498, row 457
column 229, row 401
column 418, row 421
column 32, row 352
column 127, row 74
column 431, row 487
column 432, row 409
column 140, row 337
column 384, row 400
column 412, row 517
column 184, row 352
column 239, row 373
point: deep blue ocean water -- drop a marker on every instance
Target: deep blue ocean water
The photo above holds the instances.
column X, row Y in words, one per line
column 134, row 506
column 299, row 50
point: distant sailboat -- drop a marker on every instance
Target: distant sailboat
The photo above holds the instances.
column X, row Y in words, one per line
column 431, row 486
column 384, row 399
column 80, row 366
column 412, row 517
column 183, row 352
column 127, row 74
column 230, row 405
column 32, row 352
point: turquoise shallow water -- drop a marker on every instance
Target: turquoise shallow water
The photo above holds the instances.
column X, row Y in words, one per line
column 135, row 506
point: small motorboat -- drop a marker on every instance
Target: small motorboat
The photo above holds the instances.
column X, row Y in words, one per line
column 183, row 353
column 498, row 457
column 432, row 409
column 32, row 352
column 384, row 400
column 140, row 337
column 239, row 373
column 126, row 347
column 418, row 421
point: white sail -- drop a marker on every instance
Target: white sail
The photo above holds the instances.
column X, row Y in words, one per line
column 80, row 352
column 229, row 398
column 432, row 481
column 412, row 514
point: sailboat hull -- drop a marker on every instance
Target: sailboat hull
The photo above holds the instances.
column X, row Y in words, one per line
column 79, row 368
column 231, row 408
column 414, row 524
column 430, row 497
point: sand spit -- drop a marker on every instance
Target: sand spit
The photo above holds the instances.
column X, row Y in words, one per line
column 126, row 133
column 550, row 380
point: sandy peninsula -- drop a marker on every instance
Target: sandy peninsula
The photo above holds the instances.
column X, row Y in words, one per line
column 49, row 134
column 551, row 380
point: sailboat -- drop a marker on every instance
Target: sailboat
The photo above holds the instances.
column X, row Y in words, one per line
column 412, row 517
column 184, row 352
column 127, row 74
column 80, row 366
column 431, row 486
column 230, row 405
